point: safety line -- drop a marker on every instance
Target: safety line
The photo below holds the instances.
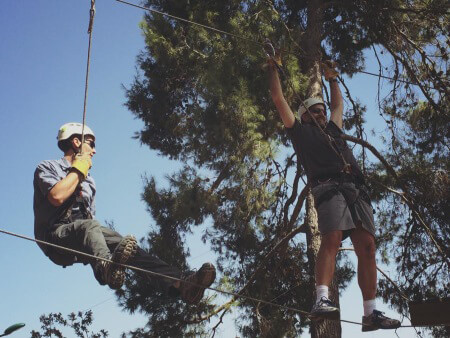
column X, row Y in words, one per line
column 252, row 41
column 91, row 24
column 288, row 308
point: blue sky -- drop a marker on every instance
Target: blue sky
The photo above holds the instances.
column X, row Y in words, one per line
column 43, row 49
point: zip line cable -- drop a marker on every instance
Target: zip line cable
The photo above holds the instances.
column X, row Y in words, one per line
column 98, row 304
column 261, row 44
column 288, row 308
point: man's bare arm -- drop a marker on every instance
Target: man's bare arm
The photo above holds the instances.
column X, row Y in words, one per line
column 62, row 190
column 337, row 103
column 278, row 99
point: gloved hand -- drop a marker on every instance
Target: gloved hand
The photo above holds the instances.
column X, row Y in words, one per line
column 328, row 70
column 82, row 163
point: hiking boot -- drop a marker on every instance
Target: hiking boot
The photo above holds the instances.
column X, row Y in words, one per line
column 324, row 309
column 125, row 250
column 378, row 321
column 109, row 273
column 112, row 274
column 193, row 286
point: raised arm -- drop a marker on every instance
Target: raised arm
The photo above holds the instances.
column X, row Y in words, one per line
column 278, row 99
column 337, row 103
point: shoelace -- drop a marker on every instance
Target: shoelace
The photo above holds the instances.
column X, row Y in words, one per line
column 325, row 300
column 379, row 315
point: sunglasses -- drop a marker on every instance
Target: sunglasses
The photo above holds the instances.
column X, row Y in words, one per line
column 318, row 110
column 91, row 143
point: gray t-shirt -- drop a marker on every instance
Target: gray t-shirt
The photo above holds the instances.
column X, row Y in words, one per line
column 46, row 175
column 315, row 154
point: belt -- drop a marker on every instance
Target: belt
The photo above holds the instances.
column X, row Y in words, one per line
column 339, row 178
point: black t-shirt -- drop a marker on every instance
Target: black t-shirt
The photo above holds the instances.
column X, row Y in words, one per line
column 315, row 154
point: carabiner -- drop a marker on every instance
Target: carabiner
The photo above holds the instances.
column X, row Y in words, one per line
column 269, row 49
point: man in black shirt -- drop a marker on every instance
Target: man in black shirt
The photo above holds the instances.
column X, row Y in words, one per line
column 342, row 202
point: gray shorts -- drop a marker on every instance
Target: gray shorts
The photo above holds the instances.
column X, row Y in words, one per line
column 343, row 209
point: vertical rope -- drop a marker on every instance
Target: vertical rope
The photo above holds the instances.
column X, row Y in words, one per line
column 91, row 24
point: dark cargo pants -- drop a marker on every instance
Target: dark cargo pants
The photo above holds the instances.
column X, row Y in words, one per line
column 87, row 235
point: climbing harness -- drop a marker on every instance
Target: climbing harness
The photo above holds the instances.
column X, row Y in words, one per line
column 351, row 194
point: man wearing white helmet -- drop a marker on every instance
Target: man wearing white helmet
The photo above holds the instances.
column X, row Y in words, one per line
column 64, row 210
column 339, row 191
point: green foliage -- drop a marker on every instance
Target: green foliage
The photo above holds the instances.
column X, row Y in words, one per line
column 79, row 323
column 419, row 153
column 204, row 101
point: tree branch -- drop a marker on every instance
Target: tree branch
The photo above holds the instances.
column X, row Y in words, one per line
column 253, row 276
column 412, row 74
column 425, row 58
column 223, row 174
column 405, row 195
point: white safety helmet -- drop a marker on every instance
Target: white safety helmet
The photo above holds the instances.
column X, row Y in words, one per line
column 309, row 103
column 72, row 128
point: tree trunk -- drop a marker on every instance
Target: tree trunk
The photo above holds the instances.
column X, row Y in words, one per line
column 324, row 328
column 313, row 53
column 313, row 37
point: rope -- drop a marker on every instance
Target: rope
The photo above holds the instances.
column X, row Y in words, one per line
column 251, row 40
column 288, row 308
column 91, row 24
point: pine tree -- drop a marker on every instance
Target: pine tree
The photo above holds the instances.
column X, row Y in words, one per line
column 204, row 100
